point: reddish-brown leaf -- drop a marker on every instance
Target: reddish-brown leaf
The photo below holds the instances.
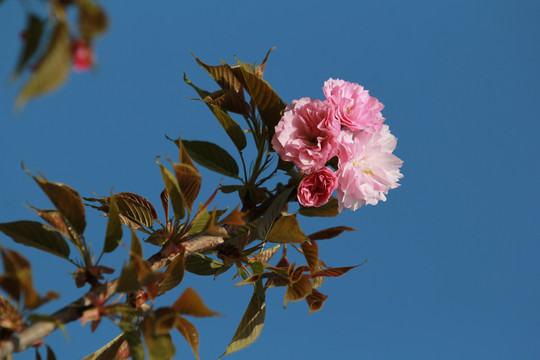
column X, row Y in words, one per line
column 190, row 333
column 329, row 233
column 315, row 300
column 190, row 303
column 333, row 272
column 297, row 290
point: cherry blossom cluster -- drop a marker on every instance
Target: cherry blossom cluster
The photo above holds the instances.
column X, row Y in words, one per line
column 349, row 125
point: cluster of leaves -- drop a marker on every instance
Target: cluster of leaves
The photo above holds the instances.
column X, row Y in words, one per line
column 48, row 44
column 237, row 237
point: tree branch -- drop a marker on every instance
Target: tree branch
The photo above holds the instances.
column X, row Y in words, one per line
column 36, row 332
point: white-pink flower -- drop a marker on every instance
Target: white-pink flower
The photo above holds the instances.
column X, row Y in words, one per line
column 307, row 134
column 354, row 107
column 367, row 167
column 316, row 188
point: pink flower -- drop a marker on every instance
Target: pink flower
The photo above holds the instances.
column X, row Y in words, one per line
column 315, row 189
column 82, row 56
column 367, row 168
column 307, row 134
column 355, row 108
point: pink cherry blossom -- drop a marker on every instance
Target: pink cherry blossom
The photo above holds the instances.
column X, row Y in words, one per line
column 367, row 167
column 315, row 189
column 307, row 134
column 355, row 108
column 82, row 56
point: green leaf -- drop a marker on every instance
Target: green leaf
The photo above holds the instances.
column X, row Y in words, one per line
column 129, row 280
column 272, row 212
column 32, row 34
column 200, row 264
column 173, row 275
column 267, row 101
column 329, row 233
column 133, row 339
column 158, row 237
column 330, row 209
column 286, row 230
column 252, row 322
column 212, row 157
column 199, row 224
column 190, row 303
column 190, row 333
column 175, row 195
column 114, row 227
column 66, row 200
column 37, row 235
column 159, row 343
column 234, row 130
column 52, row 69
column 108, row 351
column 92, row 19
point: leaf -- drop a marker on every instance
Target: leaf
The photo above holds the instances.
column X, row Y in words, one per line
column 286, row 230
column 39, row 236
column 212, row 157
column 32, row 36
column 228, row 100
column 190, row 333
column 200, row 264
column 56, row 220
column 164, row 196
column 267, row 101
column 315, row 300
column 272, row 212
column 189, row 182
column 329, row 233
column 235, row 132
column 266, row 255
column 199, row 224
column 235, row 217
column 108, row 351
column 128, row 281
column 158, row 237
column 223, row 75
column 50, row 353
column 66, row 200
column 92, row 19
column 334, row 272
column 133, row 339
column 190, row 303
column 134, row 210
column 330, row 209
column 202, row 93
column 259, row 70
column 160, row 346
column 52, row 69
column 173, row 275
column 311, row 253
column 114, row 227
column 252, row 322
column 297, row 290
column 175, row 195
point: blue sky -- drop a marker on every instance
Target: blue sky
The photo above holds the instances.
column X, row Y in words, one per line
column 454, row 251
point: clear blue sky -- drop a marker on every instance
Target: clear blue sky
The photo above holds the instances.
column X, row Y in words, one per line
column 454, row 251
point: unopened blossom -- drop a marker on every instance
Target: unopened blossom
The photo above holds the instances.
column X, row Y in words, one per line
column 315, row 189
column 367, row 168
column 82, row 56
column 307, row 134
column 354, row 107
